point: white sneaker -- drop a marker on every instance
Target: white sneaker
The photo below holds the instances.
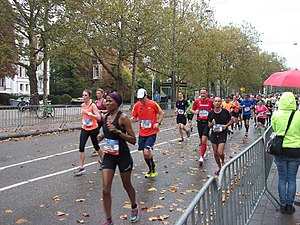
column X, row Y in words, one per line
column 205, row 155
column 201, row 161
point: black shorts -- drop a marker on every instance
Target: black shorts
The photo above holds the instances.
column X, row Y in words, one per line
column 261, row 120
column 235, row 114
column 146, row 142
column 123, row 161
column 190, row 116
column 181, row 119
column 203, row 128
column 217, row 138
column 246, row 117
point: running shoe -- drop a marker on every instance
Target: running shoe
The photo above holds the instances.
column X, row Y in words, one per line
column 181, row 140
column 246, row 135
column 218, row 171
column 134, row 215
column 201, row 161
column 154, row 172
column 94, row 153
column 188, row 133
column 148, row 175
column 109, row 222
column 79, row 171
column 205, row 155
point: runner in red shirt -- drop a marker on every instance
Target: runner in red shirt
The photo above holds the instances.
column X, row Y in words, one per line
column 201, row 107
column 150, row 116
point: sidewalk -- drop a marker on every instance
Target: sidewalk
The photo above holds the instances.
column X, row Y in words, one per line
column 266, row 214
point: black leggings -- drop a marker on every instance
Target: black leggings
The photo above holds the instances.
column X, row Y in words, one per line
column 84, row 135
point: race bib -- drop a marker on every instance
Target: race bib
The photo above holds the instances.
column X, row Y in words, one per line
column 111, row 146
column 268, row 113
column 217, row 128
column 261, row 114
column 247, row 109
column 146, row 124
column 180, row 111
column 87, row 122
column 203, row 113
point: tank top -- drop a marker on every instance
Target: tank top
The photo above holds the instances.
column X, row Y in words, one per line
column 88, row 122
column 100, row 106
column 112, row 137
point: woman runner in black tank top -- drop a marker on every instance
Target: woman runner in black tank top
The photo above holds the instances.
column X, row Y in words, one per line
column 117, row 131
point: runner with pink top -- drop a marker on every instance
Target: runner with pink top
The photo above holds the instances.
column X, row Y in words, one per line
column 261, row 111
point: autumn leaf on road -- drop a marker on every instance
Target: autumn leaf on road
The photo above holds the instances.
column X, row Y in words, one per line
column 85, row 214
column 80, row 221
column 56, row 198
column 8, row 211
column 60, row 213
column 21, row 221
column 80, row 200
column 123, row 217
column 152, row 189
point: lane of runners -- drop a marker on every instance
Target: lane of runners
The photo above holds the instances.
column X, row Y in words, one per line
column 40, row 189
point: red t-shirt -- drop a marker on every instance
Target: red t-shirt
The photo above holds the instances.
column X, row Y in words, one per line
column 204, row 107
column 147, row 117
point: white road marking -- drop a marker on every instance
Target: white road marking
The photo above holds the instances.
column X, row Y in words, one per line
column 54, row 155
column 67, row 170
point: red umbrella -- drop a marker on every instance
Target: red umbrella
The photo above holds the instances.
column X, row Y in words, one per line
column 289, row 78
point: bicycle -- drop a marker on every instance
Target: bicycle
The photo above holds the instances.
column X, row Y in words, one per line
column 45, row 111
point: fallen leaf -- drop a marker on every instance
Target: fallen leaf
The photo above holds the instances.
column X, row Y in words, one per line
column 59, row 213
column 85, row 214
column 21, row 221
column 123, row 217
column 161, row 198
column 56, row 198
column 158, row 207
column 8, row 211
column 152, row 189
column 80, row 221
column 80, row 200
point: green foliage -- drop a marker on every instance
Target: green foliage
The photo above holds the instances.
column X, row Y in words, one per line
column 60, row 99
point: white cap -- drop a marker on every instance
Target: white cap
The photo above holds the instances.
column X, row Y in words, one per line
column 141, row 93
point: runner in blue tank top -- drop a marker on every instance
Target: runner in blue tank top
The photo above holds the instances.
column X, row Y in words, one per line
column 246, row 106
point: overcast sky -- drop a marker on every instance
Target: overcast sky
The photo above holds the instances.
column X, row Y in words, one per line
column 277, row 20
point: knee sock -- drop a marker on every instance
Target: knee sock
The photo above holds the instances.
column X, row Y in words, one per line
column 148, row 163
column 152, row 162
column 247, row 128
column 203, row 149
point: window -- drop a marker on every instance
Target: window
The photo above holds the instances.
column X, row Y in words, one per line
column 97, row 71
column 2, row 82
column 26, row 87
column 20, row 71
column 21, row 87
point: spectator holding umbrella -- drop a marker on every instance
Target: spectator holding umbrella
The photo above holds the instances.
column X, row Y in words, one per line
column 288, row 162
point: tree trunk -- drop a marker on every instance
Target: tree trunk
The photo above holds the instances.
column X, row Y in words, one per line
column 31, row 73
column 133, row 79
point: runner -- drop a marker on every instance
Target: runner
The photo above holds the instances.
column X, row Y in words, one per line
column 117, row 131
column 246, row 106
column 150, row 116
column 181, row 108
column 202, row 107
column 89, row 128
column 190, row 115
column 219, row 120
column 236, row 113
column 270, row 112
column 261, row 111
column 228, row 105
column 100, row 103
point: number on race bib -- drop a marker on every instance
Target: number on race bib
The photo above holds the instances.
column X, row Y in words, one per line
column 146, row 124
column 87, row 122
column 203, row 113
column 111, row 146
column 247, row 109
column 180, row 111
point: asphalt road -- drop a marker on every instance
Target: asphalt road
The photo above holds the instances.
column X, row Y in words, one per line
column 38, row 184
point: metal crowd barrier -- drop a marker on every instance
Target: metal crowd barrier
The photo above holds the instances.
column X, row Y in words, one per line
column 14, row 117
column 232, row 198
